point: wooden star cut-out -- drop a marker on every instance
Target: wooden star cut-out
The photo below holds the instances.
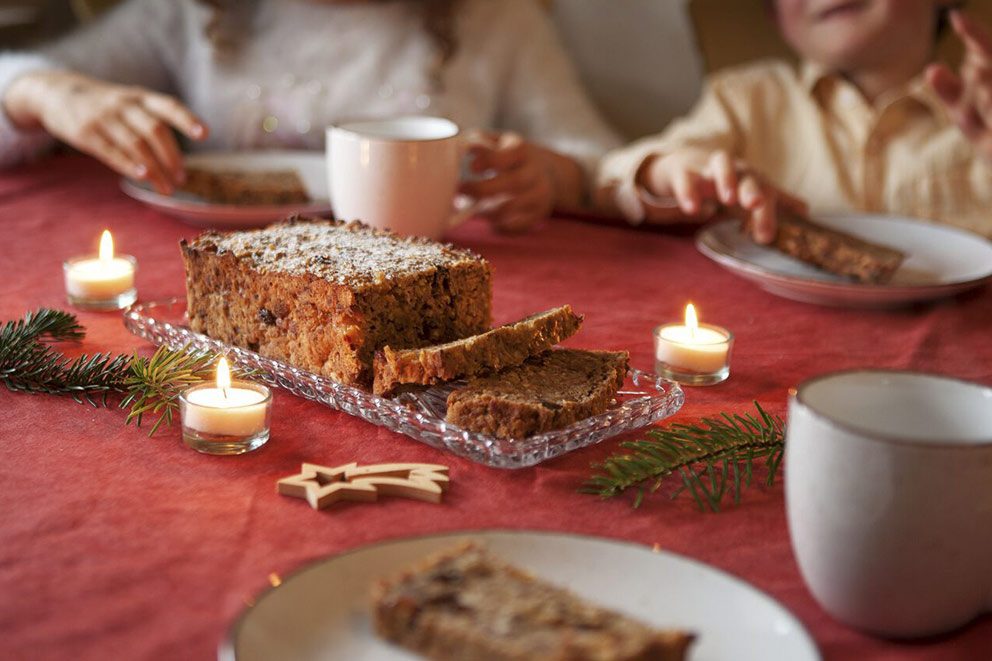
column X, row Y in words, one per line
column 322, row 486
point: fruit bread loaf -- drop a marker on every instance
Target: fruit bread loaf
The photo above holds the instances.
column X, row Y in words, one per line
column 326, row 295
column 491, row 351
column 466, row 604
column 833, row 251
column 547, row 392
column 270, row 187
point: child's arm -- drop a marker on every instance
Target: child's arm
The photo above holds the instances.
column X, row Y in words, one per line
column 695, row 167
column 701, row 181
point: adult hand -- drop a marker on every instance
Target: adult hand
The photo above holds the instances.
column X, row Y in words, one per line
column 701, row 182
column 517, row 189
column 128, row 128
column 967, row 94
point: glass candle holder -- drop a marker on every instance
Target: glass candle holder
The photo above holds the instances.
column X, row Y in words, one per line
column 94, row 283
column 698, row 356
column 226, row 421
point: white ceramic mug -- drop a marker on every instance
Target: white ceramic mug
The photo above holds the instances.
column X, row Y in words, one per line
column 888, row 480
column 400, row 174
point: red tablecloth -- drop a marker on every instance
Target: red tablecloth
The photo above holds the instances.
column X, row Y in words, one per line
column 114, row 545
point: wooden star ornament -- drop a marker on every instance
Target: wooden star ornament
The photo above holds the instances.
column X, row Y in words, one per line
column 322, row 486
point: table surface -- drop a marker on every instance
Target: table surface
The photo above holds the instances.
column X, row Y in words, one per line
column 114, row 545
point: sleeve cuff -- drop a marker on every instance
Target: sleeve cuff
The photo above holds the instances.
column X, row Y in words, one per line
column 18, row 145
column 620, row 175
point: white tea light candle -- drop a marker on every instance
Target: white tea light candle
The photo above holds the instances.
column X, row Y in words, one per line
column 225, row 417
column 693, row 353
column 104, row 282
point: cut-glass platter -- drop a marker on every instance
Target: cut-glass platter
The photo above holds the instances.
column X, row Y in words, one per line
column 644, row 398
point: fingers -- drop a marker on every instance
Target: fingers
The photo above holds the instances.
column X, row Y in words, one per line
column 977, row 41
column 522, row 212
column 946, row 84
column 510, row 182
column 158, row 136
column 723, row 171
column 694, row 193
column 103, row 149
column 175, row 113
column 760, row 202
column 502, row 152
column 137, row 151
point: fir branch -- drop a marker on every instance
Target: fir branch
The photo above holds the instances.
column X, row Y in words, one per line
column 154, row 384
column 44, row 324
column 148, row 386
column 709, row 459
column 29, row 365
column 21, row 348
column 89, row 379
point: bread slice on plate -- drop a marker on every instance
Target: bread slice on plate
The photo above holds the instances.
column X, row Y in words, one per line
column 550, row 391
column 465, row 603
column 245, row 187
column 491, row 351
column 834, row 251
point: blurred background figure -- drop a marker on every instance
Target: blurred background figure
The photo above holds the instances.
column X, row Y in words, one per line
column 861, row 113
column 274, row 73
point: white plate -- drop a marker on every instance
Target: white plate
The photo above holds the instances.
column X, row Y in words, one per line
column 941, row 261
column 322, row 612
column 195, row 211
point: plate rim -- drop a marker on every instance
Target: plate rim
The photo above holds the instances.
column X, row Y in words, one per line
column 706, row 244
column 226, row 649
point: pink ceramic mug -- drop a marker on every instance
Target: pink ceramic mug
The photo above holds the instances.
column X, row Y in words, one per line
column 400, row 173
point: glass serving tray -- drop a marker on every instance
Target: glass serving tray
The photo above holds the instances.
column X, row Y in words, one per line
column 644, row 398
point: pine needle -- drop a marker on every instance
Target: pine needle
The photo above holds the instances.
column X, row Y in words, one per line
column 709, row 459
column 148, row 386
column 154, row 384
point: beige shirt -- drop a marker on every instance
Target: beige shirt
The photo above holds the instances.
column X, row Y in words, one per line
column 813, row 134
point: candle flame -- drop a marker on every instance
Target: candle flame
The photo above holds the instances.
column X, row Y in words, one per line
column 106, row 246
column 223, row 375
column 691, row 320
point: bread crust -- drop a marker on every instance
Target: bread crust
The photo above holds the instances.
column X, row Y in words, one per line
column 326, row 295
column 496, row 349
column 834, row 251
column 249, row 188
column 548, row 392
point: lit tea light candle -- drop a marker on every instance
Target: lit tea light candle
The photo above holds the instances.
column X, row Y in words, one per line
column 693, row 353
column 104, row 282
column 225, row 417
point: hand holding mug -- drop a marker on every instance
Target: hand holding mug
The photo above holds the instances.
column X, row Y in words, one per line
column 515, row 186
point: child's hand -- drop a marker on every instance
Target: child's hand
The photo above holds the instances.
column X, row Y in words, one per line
column 701, row 182
column 518, row 190
column 128, row 128
column 968, row 94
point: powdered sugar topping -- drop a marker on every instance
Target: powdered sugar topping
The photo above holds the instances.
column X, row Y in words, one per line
column 343, row 253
